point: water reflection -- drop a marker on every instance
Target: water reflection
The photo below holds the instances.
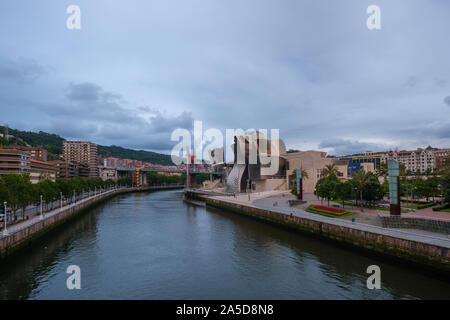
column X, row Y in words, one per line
column 154, row 246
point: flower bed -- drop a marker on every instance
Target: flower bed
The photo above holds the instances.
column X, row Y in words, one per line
column 328, row 211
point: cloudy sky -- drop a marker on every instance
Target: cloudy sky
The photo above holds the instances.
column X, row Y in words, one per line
column 138, row 69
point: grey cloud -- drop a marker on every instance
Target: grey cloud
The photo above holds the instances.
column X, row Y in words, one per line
column 22, row 71
column 447, row 100
column 411, row 82
column 103, row 116
column 85, row 92
column 296, row 67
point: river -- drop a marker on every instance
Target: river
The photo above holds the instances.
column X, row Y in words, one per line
column 154, row 246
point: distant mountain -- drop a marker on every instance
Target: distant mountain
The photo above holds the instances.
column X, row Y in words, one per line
column 53, row 144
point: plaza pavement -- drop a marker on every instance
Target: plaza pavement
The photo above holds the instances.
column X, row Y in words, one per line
column 367, row 221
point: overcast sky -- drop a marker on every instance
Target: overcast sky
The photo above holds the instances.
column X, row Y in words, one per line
column 139, row 69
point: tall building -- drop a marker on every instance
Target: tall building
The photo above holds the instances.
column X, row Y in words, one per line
column 38, row 153
column 83, row 152
column 14, row 160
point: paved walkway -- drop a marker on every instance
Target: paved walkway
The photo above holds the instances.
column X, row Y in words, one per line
column 37, row 218
column 422, row 213
column 278, row 202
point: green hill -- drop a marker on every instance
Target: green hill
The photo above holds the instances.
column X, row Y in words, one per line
column 148, row 156
column 53, row 144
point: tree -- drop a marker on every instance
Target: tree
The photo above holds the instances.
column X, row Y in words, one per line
column 419, row 187
column 3, row 192
column 27, row 195
column 445, row 186
column 13, row 190
column 343, row 191
column 49, row 191
column 330, row 169
column 360, row 179
column 432, row 186
column 373, row 189
column 325, row 187
column 65, row 186
column 294, row 190
column 445, row 181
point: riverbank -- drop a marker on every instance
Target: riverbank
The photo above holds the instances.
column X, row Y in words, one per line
column 422, row 250
column 22, row 234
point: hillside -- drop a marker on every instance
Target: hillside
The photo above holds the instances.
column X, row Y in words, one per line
column 53, row 143
column 148, row 156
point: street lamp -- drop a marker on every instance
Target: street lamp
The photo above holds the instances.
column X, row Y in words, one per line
column 5, row 231
column 42, row 215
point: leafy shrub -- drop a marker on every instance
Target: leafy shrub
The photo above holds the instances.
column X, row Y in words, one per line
column 439, row 208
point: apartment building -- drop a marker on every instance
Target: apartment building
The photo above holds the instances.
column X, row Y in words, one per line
column 38, row 153
column 370, row 161
column 419, row 160
column 14, row 160
column 42, row 170
column 85, row 154
column 66, row 169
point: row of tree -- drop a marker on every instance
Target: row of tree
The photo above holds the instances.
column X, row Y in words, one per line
column 18, row 191
column 366, row 187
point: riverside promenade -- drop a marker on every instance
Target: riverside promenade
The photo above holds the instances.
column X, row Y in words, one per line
column 427, row 250
column 22, row 233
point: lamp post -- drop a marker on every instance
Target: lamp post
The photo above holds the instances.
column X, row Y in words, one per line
column 60, row 200
column 5, row 231
column 42, row 214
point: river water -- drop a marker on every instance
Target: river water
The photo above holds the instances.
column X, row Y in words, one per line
column 155, row 246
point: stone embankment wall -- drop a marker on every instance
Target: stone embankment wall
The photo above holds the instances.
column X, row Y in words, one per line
column 439, row 226
column 422, row 254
